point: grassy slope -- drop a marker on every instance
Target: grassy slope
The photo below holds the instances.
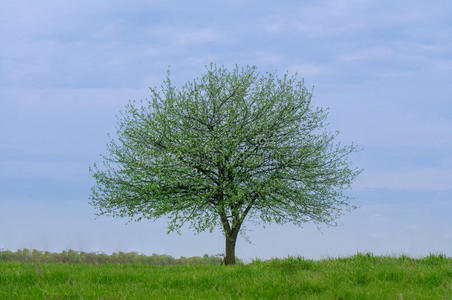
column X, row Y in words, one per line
column 357, row 277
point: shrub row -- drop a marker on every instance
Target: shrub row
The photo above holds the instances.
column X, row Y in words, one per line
column 74, row 257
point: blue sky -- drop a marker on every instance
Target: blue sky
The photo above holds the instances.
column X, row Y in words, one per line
column 383, row 67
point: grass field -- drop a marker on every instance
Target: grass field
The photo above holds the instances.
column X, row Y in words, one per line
column 362, row 276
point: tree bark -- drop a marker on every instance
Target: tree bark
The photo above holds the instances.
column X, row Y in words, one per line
column 231, row 239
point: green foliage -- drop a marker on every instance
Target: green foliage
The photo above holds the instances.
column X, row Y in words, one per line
column 80, row 257
column 363, row 276
column 225, row 146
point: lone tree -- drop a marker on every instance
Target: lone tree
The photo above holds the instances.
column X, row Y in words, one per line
column 227, row 146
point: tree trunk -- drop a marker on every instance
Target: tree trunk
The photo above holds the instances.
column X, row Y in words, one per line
column 229, row 258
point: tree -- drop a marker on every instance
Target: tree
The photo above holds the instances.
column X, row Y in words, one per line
column 227, row 146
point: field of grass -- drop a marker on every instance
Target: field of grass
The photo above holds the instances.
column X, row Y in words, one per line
column 362, row 276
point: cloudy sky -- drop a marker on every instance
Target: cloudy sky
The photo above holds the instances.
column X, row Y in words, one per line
column 383, row 67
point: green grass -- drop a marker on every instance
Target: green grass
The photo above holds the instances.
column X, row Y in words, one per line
column 362, row 276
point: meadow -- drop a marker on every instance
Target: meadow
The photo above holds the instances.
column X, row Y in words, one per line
column 134, row 276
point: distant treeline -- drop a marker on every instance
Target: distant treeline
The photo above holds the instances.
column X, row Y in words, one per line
column 80, row 257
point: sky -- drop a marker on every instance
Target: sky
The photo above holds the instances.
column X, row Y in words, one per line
column 384, row 68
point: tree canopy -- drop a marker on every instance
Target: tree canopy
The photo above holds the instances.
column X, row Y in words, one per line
column 229, row 145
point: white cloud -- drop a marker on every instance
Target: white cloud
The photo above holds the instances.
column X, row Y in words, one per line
column 43, row 170
column 428, row 179
column 366, row 54
column 336, row 17
column 185, row 36
column 268, row 57
column 323, row 18
column 309, row 70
